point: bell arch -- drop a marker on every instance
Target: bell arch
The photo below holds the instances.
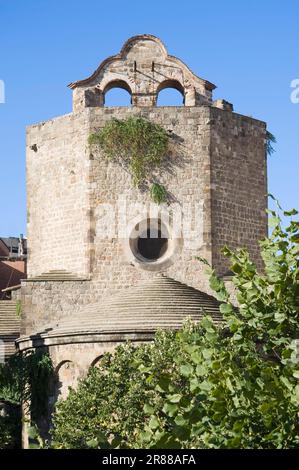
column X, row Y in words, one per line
column 117, row 85
column 171, row 84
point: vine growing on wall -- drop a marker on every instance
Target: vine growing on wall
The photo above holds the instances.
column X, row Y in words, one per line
column 18, row 308
column 25, row 378
column 138, row 144
column 158, row 193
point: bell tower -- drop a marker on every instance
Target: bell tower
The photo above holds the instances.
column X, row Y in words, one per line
column 105, row 264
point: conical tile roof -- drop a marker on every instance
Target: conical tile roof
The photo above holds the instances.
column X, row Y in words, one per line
column 157, row 303
column 9, row 326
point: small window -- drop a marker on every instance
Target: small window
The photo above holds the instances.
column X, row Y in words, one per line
column 149, row 241
column 152, row 247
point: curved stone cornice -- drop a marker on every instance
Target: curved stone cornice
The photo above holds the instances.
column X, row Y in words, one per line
column 126, row 49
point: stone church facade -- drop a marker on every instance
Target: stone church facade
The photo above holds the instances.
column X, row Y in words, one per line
column 86, row 293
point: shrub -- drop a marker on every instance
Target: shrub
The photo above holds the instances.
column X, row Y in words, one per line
column 10, row 429
column 24, row 378
column 158, row 193
column 90, row 413
column 138, row 144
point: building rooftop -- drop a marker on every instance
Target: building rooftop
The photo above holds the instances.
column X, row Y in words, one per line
column 16, row 246
column 10, row 324
column 158, row 303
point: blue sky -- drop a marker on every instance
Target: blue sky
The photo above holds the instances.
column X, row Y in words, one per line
column 249, row 49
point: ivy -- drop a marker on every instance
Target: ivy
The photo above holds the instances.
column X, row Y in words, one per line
column 25, row 378
column 138, row 144
column 10, row 429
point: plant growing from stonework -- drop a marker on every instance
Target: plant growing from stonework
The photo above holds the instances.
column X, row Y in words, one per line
column 230, row 386
column 139, row 144
column 18, row 308
column 158, row 193
column 270, row 141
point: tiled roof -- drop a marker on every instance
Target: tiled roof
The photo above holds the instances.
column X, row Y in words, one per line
column 57, row 275
column 158, row 303
column 9, row 326
column 12, row 244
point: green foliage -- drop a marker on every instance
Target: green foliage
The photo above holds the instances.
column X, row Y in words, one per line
column 18, row 308
column 232, row 386
column 10, row 430
column 89, row 416
column 12, row 379
column 135, row 142
column 158, row 193
column 35, row 439
column 270, row 140
column 25, row 378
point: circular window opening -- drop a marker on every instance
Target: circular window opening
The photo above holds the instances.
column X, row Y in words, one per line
column 150, row 242
column 152, row 246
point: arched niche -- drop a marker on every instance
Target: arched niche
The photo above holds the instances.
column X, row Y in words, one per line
column 96, row 361
column 66, row 375
column 170, row 93
column 117, row 93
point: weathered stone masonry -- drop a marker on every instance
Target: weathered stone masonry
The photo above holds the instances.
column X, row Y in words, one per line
column 218, row 159
column 223, row 164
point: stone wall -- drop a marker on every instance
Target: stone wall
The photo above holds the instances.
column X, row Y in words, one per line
column 45, row 302
column 238, row 184
column 185, row 176
column 58, row 210
column 72, row 362
column 218, row 158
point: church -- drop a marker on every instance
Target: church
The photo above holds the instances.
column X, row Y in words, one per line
column 105, row 264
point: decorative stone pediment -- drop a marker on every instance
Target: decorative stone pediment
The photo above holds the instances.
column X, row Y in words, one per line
column 143, row 68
